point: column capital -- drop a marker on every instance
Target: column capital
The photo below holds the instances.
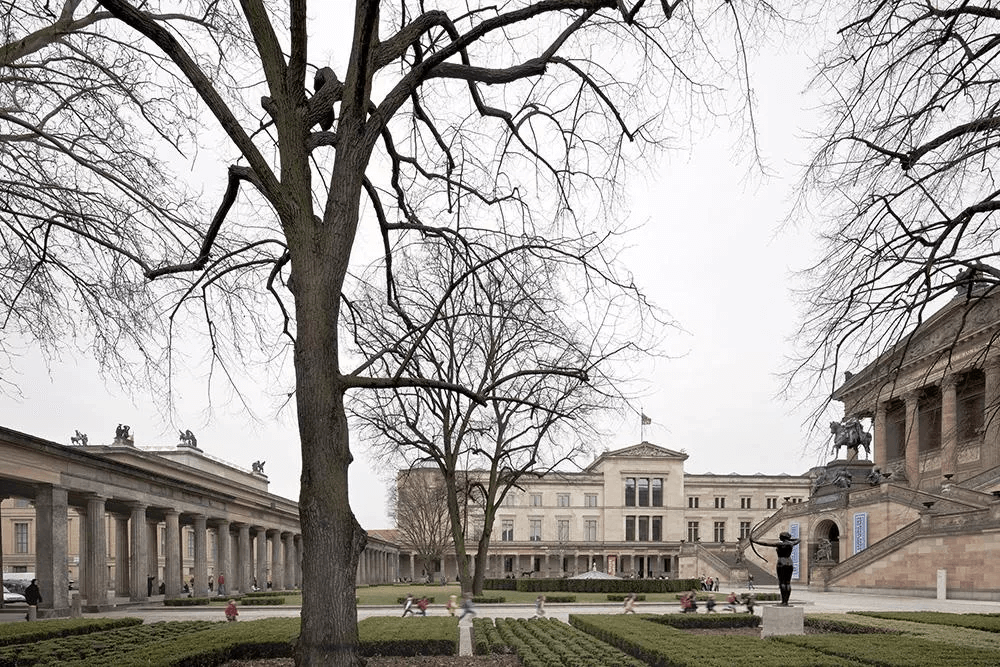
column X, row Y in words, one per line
column 912, row 396
column 949, row 381
column 992, row 362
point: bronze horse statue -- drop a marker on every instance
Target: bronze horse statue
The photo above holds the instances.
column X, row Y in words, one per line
column 850, row 434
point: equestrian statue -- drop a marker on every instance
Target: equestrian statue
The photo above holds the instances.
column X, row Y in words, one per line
column 852, row 435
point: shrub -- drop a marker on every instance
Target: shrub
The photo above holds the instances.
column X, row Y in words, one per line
column 593, row 585
column 26, row 633
column 486, row 599
column 430, row 598
column 186, row 602
column 620, row 597
column 846, row 627
column 688, row 621
column 434, row 635
column 894, row 651
column 261, row 601
column 985, row 622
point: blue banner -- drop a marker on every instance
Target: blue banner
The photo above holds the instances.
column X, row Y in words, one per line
column 860, row 531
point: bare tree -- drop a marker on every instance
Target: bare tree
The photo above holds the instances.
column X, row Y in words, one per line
column 421, row 513
column 539, row 373
column 511, row 119
column 905, row 176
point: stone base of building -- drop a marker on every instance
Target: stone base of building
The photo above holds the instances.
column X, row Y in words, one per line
column 778, row 620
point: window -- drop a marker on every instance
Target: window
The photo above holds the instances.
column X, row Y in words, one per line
column 536, row 564
column 720, row 531
column 643, row 492
column 693, row 502
column 745, row 502
column 657, row 535
column 190, row 543
column 630, row 492
column 744, row 529
column 692, row 531
column 971, row 396
column 590, row 500
column 507, row 530
column 563, row 528
column 562, row 500
column 657, row 492
column 929, row 419
column 795, row 501
column 630, row 529
column 20, row 538
column 536, row 500
column 644, row 529
column 772, row 503
column 535, row 526
column 508, row 563
column 590, row 530
column 720, row 503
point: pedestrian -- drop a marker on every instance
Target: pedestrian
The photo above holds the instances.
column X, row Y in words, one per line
column 716, row 584
column 222, row 584
column 730, row 602
column 452, row 604
column 629, row 604
column 750, row 581
column 32, row 596
column 540, row 606
column 231, row 612
column 422, row 605
column 467, row 607
column 408, row 605
column 710, row 604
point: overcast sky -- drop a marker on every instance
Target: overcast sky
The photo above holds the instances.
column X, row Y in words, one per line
column 707, row 249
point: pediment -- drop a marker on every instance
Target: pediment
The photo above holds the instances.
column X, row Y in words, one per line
column 643, row 450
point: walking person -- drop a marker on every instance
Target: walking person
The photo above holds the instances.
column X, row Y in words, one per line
column 750, row 581
column 408, row 605
column 32, row 596
column 540, row 606
column 231, row 612
column 222, row 584
column 467, row 607
column 629, row 604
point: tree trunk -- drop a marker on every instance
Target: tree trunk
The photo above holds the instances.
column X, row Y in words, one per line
column 332, row 538
column 457, row 536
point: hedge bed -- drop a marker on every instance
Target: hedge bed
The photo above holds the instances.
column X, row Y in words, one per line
column 620, row 597
column 270, row 600
column 546, row 643
column 100, row 647
column 433, row 635
column 24, row 633
column 894, row 651
column 985, row 622
column 690, row 621
column 661, row 645
column 592, row 585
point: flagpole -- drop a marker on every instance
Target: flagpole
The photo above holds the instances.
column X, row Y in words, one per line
column 642, row 424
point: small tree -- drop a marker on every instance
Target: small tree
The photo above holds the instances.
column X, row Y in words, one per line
column 421, row 515
column 906, row 170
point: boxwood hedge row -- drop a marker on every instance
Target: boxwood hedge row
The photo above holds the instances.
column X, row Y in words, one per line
column 592, row 585
column 24, row 633
column 552, row 643
column 986, row 622
column 895, row 651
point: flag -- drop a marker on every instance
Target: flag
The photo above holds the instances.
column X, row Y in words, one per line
column 646, row 421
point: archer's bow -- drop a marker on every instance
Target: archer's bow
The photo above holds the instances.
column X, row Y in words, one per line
column 750, row 538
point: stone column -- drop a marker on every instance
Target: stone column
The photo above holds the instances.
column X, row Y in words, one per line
column 260, row 566
column 989, row 456
column 289, row 581
column 949, row 425
column 51, row 548
column 879, row 436
column 121, row 556
column 172, row 555
column 277, row 562
column 912, row 447
column 138, row 553
column 245, row 579
column 224, row 560
column 200, row 556
column 153, row 554
column 81, row 566
column 96, row 560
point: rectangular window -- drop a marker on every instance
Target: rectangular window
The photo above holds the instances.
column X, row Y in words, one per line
column 693, row 502
column 720, row 503
column 507, row 530
column 590, row 530
column 657, row 535
column 772, row 503
column 657, row 492
column 536, row 500
column 643, row 492
column 744, row 529
column 20, row 538
column 563, row 527
column 562, row 500
column 630, row 492
column 590, row 500
column 692, row 531
column 971, row 397
column 508, row 563
column 630, row 529
column 745, row 502
column 720, row 531
column 536, row 530
column 644, row 529
column 190, row 543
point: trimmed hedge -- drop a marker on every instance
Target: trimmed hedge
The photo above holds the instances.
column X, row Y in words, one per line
column 269, row 594
column 488, row 599
column 689, row 621
column 846, row 627
column 187, row 602
column 27, row 633
column 552, row 643
column 592, row 585
column 659, row 644
column 985, row 622
column 894, row 651
column 391, row 635
column 260, row 602
column 402, row 600
column 620, row 597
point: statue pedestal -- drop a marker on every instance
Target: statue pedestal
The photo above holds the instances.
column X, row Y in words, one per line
column 779, row 620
